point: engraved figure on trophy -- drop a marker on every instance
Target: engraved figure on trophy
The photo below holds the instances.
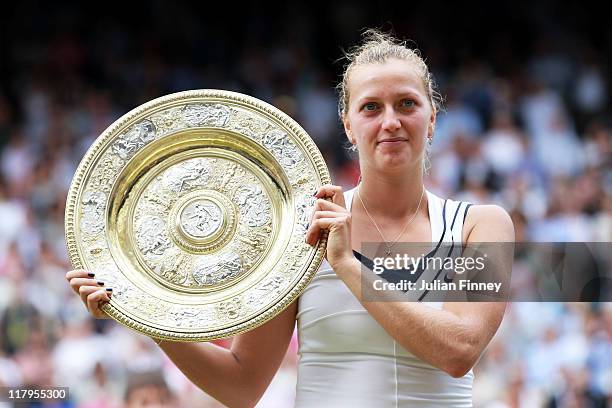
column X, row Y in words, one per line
column 170, row 267
column 209, row 270
column 135, row 138
column 254, row 206
column 282, row 148
column 93, row 212
column 187, row 175
column 206, row 115
column 201, row 218
column 151, row 237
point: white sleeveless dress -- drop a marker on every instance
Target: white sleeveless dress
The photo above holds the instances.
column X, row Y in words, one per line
column 346, row 359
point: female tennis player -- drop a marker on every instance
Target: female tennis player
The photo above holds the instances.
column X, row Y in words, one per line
column 354, row 352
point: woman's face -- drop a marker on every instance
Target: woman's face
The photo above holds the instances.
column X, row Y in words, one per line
column 389, row 116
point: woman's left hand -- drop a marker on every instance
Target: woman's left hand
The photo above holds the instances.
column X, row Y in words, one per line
column 334, row 217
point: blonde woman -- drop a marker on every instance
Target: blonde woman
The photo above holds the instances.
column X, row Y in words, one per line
column 352, row 352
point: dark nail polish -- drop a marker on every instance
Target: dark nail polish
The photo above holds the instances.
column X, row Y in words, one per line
column 109, row 289
column 100, row 283
column 91, row 274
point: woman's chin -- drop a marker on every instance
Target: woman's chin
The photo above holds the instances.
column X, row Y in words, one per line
column 395, row 157
column 398, row 164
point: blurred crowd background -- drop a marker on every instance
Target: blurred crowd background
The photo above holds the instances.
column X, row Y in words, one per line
column 527, row 125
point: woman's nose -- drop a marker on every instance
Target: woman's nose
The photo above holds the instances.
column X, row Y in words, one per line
column 391, row 120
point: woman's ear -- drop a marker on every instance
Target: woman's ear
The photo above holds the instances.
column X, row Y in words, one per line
column 432, row 125
column 347, row 129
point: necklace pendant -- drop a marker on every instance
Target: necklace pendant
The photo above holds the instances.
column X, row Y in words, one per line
column 388, row 252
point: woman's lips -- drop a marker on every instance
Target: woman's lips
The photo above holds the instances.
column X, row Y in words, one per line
column 392, row 142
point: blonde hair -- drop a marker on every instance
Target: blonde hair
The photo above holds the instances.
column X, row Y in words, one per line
column 379, row 47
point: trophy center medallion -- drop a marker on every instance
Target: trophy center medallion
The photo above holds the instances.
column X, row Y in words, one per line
column 201, row 219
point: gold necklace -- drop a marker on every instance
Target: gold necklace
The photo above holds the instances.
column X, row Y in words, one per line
column 376, row 225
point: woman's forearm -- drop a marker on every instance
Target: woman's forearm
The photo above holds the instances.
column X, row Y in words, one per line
column 215, row 370
column 239, row 376
column 438, row 337
column 442, row 338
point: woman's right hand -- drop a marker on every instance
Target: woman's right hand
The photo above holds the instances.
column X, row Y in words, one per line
column 92, row 292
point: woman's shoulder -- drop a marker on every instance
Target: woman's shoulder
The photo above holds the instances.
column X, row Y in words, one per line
column 477, row 214
column 488, row 223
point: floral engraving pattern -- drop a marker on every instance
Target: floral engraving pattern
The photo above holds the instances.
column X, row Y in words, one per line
column 304, row 208
column 249, row 125
column 230, row 309
column 189, row 317
column 168, row 120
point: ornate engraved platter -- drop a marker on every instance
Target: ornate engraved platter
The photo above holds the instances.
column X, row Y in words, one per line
column 193, row 207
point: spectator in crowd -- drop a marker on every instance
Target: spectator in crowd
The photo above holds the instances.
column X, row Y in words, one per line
column 148, row 390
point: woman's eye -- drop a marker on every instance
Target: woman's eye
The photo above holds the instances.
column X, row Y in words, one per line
column 370, row 106
column 408, row 103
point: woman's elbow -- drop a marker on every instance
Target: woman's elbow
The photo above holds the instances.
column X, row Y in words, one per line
column 464, row 360
column 458, row 370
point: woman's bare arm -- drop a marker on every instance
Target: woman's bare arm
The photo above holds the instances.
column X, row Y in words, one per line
column 453, row 338
column 237, row 377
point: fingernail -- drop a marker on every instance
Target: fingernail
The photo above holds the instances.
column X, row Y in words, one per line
column 315, row 193
column 100, row 283
column 91, row 274
column 109, row 289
